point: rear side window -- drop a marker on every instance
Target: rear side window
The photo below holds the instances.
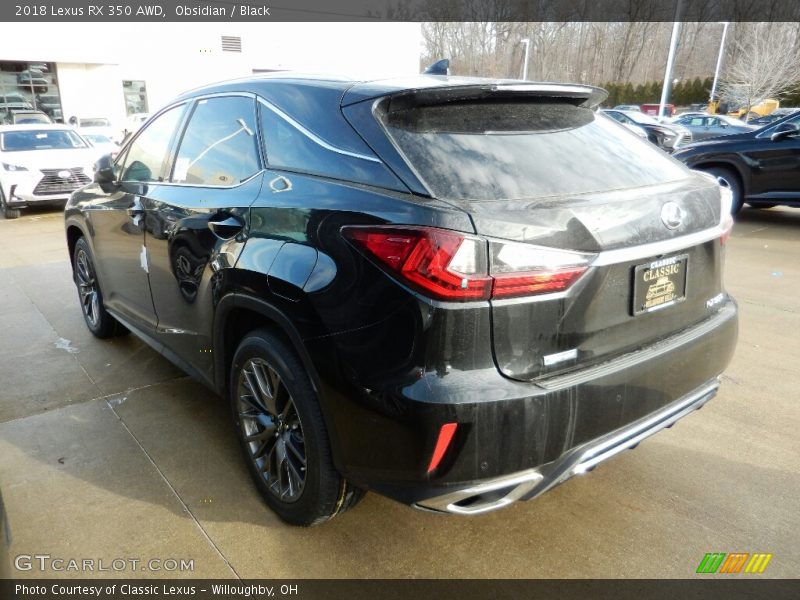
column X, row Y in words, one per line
column 219, row 146
column 145, row 158
column 523, row 149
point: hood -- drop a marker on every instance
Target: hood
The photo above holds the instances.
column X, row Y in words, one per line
column 52, row 159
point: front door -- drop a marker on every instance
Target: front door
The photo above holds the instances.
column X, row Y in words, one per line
column 118, row 222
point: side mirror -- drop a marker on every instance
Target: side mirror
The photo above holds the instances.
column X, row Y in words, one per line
column 104, row 169
column 784, row 130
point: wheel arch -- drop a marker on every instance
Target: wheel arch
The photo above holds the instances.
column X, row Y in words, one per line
column 724, row 164
column 74, row 233
column 238, row 314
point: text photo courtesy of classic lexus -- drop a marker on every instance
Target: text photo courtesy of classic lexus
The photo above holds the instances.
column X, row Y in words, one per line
column 396, row 294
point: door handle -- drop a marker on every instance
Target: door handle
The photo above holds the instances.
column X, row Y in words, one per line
column 225, row 226
column 136, row 209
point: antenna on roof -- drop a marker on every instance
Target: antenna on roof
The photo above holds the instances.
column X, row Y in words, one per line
column 440, row 67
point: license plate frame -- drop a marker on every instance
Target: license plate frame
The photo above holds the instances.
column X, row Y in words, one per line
column 665, row 287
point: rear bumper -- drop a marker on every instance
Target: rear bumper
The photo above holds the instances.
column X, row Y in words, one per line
column 516, row 440
column 499, row 492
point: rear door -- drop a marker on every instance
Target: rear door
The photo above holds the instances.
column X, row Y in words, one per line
column 197, row 220
column 553, row 187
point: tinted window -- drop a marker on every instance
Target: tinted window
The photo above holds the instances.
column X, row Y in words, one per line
column 46, row 139
column 508, row 150
column 146, row 155
column 219, row 146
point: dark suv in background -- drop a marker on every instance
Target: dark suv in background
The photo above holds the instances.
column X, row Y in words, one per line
column 455, row 292
column 761, row 167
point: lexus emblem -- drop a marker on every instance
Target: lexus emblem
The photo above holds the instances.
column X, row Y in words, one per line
column 672, row 215
column 64, row 174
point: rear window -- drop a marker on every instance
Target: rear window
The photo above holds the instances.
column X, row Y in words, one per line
column 523, row 149
column 13, row 141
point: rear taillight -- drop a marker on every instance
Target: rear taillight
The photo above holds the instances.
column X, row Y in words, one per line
column 525, row 270
column 444, row 264
column 448, row 265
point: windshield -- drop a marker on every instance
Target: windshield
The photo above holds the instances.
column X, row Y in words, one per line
column 54, row 139
column 97, row 138
column 513, row 150
column 94, row 123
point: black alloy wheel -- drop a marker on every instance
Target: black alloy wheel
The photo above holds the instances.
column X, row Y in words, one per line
column 282, row 433
column 97, row 318
column 272, row 430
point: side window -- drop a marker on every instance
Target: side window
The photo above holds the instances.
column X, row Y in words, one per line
column 145, row 156
column 219, row 146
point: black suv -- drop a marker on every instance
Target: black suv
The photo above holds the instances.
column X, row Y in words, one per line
column 455, row 292
column 761, row 167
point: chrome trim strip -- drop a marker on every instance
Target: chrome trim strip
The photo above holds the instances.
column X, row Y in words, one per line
column 611, row 257
column 312, row 136
column 533, row 482
column 649, row 426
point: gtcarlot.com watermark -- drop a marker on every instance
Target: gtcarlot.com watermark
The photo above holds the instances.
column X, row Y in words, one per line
column 45, row 563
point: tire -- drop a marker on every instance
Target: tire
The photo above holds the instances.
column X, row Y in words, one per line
column 762, row 205
column 97, row 318
column 279, row 424
column 730, row 178
column 8, row 212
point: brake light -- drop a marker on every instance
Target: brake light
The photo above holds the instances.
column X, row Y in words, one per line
column 444, row 264
column 448, row 265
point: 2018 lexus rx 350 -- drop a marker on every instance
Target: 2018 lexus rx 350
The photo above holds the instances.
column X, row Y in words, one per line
column 455, row 292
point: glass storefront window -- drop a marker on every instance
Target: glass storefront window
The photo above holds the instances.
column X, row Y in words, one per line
column 29, row 86
column 135, row 97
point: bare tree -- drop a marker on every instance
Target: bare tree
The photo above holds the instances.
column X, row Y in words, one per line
column 764, row 64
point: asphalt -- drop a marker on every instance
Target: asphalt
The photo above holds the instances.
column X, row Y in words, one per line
column 107, row 451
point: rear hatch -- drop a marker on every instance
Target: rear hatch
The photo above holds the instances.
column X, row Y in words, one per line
column 551, row 186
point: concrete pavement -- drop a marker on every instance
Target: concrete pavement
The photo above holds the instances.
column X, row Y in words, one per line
column 107, row 451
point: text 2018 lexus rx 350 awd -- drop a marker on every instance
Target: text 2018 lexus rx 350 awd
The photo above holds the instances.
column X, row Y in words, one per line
column 455, row 292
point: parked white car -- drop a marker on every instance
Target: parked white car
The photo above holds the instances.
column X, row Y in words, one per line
column 98, row 125
column 41, row 163
column 100, row 141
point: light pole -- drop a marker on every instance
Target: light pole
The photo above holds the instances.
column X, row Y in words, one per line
column 673, row 46
column 527, row 43
column 719, row 61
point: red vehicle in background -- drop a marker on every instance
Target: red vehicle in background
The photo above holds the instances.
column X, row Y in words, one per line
column 652, row 109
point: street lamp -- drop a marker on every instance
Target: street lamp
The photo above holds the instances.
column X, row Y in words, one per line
column 527, row 43
column 719, row 61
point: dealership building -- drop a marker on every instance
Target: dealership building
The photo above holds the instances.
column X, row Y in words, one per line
column 112, row 70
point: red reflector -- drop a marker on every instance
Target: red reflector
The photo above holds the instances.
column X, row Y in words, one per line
column 445, row 437
column 507, row 285
column 727, row 230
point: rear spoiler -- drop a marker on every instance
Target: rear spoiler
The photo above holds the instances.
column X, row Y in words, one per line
column 577, row 95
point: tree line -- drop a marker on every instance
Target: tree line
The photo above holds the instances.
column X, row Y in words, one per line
column 683, row 93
